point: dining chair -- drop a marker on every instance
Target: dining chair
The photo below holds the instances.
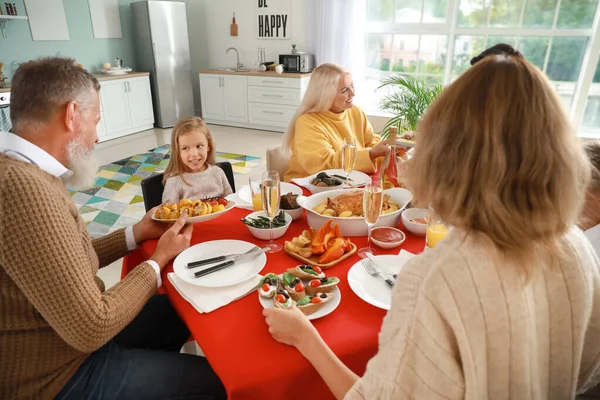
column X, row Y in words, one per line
column 279, row 160
column 152, row 186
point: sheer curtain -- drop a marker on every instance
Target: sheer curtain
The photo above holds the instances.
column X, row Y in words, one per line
column 336, row 33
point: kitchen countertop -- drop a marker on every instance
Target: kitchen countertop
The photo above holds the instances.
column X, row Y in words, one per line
column 102, row 77
column 133, row 74
column 271, row 74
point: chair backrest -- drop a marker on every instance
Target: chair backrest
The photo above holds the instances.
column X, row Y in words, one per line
column 279, row 160
column 152, row 186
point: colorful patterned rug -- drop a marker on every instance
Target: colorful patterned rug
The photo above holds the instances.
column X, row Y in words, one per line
column 116, row 199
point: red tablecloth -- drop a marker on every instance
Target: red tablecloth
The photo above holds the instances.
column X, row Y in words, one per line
column 235, row 338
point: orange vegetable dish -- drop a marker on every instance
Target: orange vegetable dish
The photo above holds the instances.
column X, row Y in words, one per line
column 328, row 243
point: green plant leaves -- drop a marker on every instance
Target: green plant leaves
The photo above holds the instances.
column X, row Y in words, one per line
column 408, row 102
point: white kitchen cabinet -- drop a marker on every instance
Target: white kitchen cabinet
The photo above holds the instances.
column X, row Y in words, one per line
column 235, row 102
column 126, row 107
column 224, row 98
column 211, row 93
column 261, row 102
column 140, row 102
column 101, row 127
column 116, row 106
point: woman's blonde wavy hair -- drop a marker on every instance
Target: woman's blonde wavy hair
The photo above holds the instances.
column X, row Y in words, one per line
column 176, row 166
column 319, row 96
column 497, row 157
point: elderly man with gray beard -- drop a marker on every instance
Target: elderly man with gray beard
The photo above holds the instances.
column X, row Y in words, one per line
column 61, row 335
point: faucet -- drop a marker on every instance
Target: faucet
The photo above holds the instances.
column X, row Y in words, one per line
column 237, row 54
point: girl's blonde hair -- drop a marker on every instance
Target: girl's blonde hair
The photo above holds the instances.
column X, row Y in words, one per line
column 319, row 96
column 176, row 166
column 497, row 157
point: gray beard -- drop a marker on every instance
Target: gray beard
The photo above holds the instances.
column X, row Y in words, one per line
column 82, row 163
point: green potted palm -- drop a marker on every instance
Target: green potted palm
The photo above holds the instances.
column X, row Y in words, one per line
column 407, row 102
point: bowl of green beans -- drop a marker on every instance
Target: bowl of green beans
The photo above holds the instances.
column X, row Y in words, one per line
column 258, row 224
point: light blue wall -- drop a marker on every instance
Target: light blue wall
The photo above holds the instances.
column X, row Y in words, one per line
column 18, row 45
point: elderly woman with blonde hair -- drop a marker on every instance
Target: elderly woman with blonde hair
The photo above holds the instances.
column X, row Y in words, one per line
column 508, row 304
column 325, row 117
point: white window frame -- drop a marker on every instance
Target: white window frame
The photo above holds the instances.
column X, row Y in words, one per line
column 451, row 29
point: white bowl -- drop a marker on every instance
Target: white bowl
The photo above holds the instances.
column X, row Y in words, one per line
column 294, row 213
column 353, row 226
column 413, row 227
column 263, row 234
column 388, row 245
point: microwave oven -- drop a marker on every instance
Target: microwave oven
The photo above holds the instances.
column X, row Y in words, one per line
column 297, row 62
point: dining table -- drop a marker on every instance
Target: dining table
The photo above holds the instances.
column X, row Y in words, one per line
column 235, row 338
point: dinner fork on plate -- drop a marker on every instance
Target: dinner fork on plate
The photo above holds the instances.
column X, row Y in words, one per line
column 371, row 270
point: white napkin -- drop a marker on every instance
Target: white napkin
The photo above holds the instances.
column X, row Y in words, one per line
column 406, row 254
column 207, row 299
column 239, row 203
column 304, row 182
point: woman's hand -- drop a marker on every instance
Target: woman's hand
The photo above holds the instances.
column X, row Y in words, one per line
column 290, row 326
column 173, row 241
column 378, row 150
column 148, row 228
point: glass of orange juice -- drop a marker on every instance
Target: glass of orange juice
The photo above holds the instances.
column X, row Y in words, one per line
column 256, row 194
column 437, row 229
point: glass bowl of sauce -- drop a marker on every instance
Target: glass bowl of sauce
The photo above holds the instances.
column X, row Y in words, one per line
column 387, row 237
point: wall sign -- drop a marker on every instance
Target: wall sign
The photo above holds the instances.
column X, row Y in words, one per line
column 273, row 19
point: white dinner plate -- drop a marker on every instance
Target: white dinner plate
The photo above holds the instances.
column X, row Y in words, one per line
column 327, row 308
column 373, row 289
column 406, row 142
column 357, row 178
column 285, row 188
column 117, row 71
column 201, row 218
column 238, row 272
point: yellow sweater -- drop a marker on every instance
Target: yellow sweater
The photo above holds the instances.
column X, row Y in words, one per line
column 319, row 138
column 53, row 311
column 464, row 327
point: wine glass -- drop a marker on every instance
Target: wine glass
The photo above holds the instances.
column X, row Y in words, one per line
column 372, row 204
column 437, row 229
column 271, row 196
column 348, row 156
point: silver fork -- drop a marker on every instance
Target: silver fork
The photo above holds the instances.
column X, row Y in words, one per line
column 374, row 272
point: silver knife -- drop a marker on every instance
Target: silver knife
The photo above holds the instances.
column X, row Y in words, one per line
column 196, row 264
column 240, row 257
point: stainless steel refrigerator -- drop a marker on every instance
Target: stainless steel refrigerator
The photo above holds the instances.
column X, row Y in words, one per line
column 162, row 48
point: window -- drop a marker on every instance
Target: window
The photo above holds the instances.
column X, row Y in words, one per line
column 591, row 116
column 436, row 39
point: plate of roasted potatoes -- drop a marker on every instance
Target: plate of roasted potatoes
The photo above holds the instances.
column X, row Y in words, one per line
column 197, row 210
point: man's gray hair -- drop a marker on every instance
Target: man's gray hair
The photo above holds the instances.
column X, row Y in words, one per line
column 42, row 87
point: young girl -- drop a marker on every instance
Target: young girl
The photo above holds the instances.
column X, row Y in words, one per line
column 191, row 173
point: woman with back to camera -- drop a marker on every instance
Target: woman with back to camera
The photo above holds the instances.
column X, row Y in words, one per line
column 325, row 117
column 508, row 304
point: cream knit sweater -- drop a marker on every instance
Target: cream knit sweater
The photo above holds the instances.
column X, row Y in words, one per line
column 53, row 311
column 462, row 326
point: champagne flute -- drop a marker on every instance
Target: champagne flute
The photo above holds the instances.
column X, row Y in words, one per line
column 271, row 197
column 348, row 156
column 372, row 204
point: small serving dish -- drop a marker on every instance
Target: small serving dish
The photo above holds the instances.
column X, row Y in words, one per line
column 415, row 220
column 387, row 237
column 264, row 234
column 295, row 213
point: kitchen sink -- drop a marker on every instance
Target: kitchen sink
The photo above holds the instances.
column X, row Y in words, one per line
column 232, row 69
